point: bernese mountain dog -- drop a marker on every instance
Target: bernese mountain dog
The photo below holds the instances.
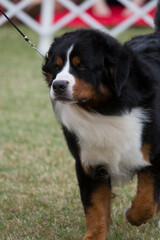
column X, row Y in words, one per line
column 106, row 96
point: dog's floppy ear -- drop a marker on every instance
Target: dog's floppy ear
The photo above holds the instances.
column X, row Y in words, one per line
column 121, row 71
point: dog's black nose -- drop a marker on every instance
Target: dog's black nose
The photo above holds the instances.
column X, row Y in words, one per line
column 60, row 86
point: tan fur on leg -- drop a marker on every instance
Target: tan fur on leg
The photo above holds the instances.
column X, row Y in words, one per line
column 143, row 206
column 98, row 214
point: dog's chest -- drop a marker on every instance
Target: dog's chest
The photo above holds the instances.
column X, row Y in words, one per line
column 110, row 141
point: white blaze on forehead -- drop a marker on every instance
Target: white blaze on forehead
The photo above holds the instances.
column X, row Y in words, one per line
column 65, row 75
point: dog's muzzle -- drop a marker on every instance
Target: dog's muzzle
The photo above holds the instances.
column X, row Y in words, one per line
column 60, row 87
column 60, row 91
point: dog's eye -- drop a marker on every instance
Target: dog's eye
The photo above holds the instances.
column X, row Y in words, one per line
column 58, row 63
column 77, row 63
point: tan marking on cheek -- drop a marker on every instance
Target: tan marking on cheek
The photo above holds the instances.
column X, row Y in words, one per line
column 143, row 206
column 111, row 71
column 49, row 78
column 146, row 150
column 76, row 60
column 83, row 90
column 98, row 215
column 105, row 91
column 59, row 62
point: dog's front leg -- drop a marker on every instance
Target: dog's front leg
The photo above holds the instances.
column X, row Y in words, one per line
column 144, row 205
column 97, row 215
column 96, row 198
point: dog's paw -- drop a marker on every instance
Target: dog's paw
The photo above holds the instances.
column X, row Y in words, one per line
column 158, row 224
column 125, row 210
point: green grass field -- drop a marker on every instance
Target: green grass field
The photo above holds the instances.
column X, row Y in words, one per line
column 39, row 195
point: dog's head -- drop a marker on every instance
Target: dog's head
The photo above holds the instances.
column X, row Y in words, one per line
column 79, row 67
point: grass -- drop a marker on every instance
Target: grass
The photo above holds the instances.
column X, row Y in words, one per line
column 39, row 195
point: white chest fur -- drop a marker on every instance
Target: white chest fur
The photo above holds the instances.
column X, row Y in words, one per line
column 111, row 141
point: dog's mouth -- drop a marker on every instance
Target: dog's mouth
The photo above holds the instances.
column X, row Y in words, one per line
column 66, row 99
column 62, row 98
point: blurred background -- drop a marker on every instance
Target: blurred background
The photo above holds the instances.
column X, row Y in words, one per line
column 46, row 17
column 39, row 195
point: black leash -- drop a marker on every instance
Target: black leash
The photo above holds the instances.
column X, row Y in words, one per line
column 25, row 37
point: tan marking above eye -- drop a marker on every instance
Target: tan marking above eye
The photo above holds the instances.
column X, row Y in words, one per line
column 59, row 62
column 76, row 61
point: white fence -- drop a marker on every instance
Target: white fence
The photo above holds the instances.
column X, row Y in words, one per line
column 46, row 28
